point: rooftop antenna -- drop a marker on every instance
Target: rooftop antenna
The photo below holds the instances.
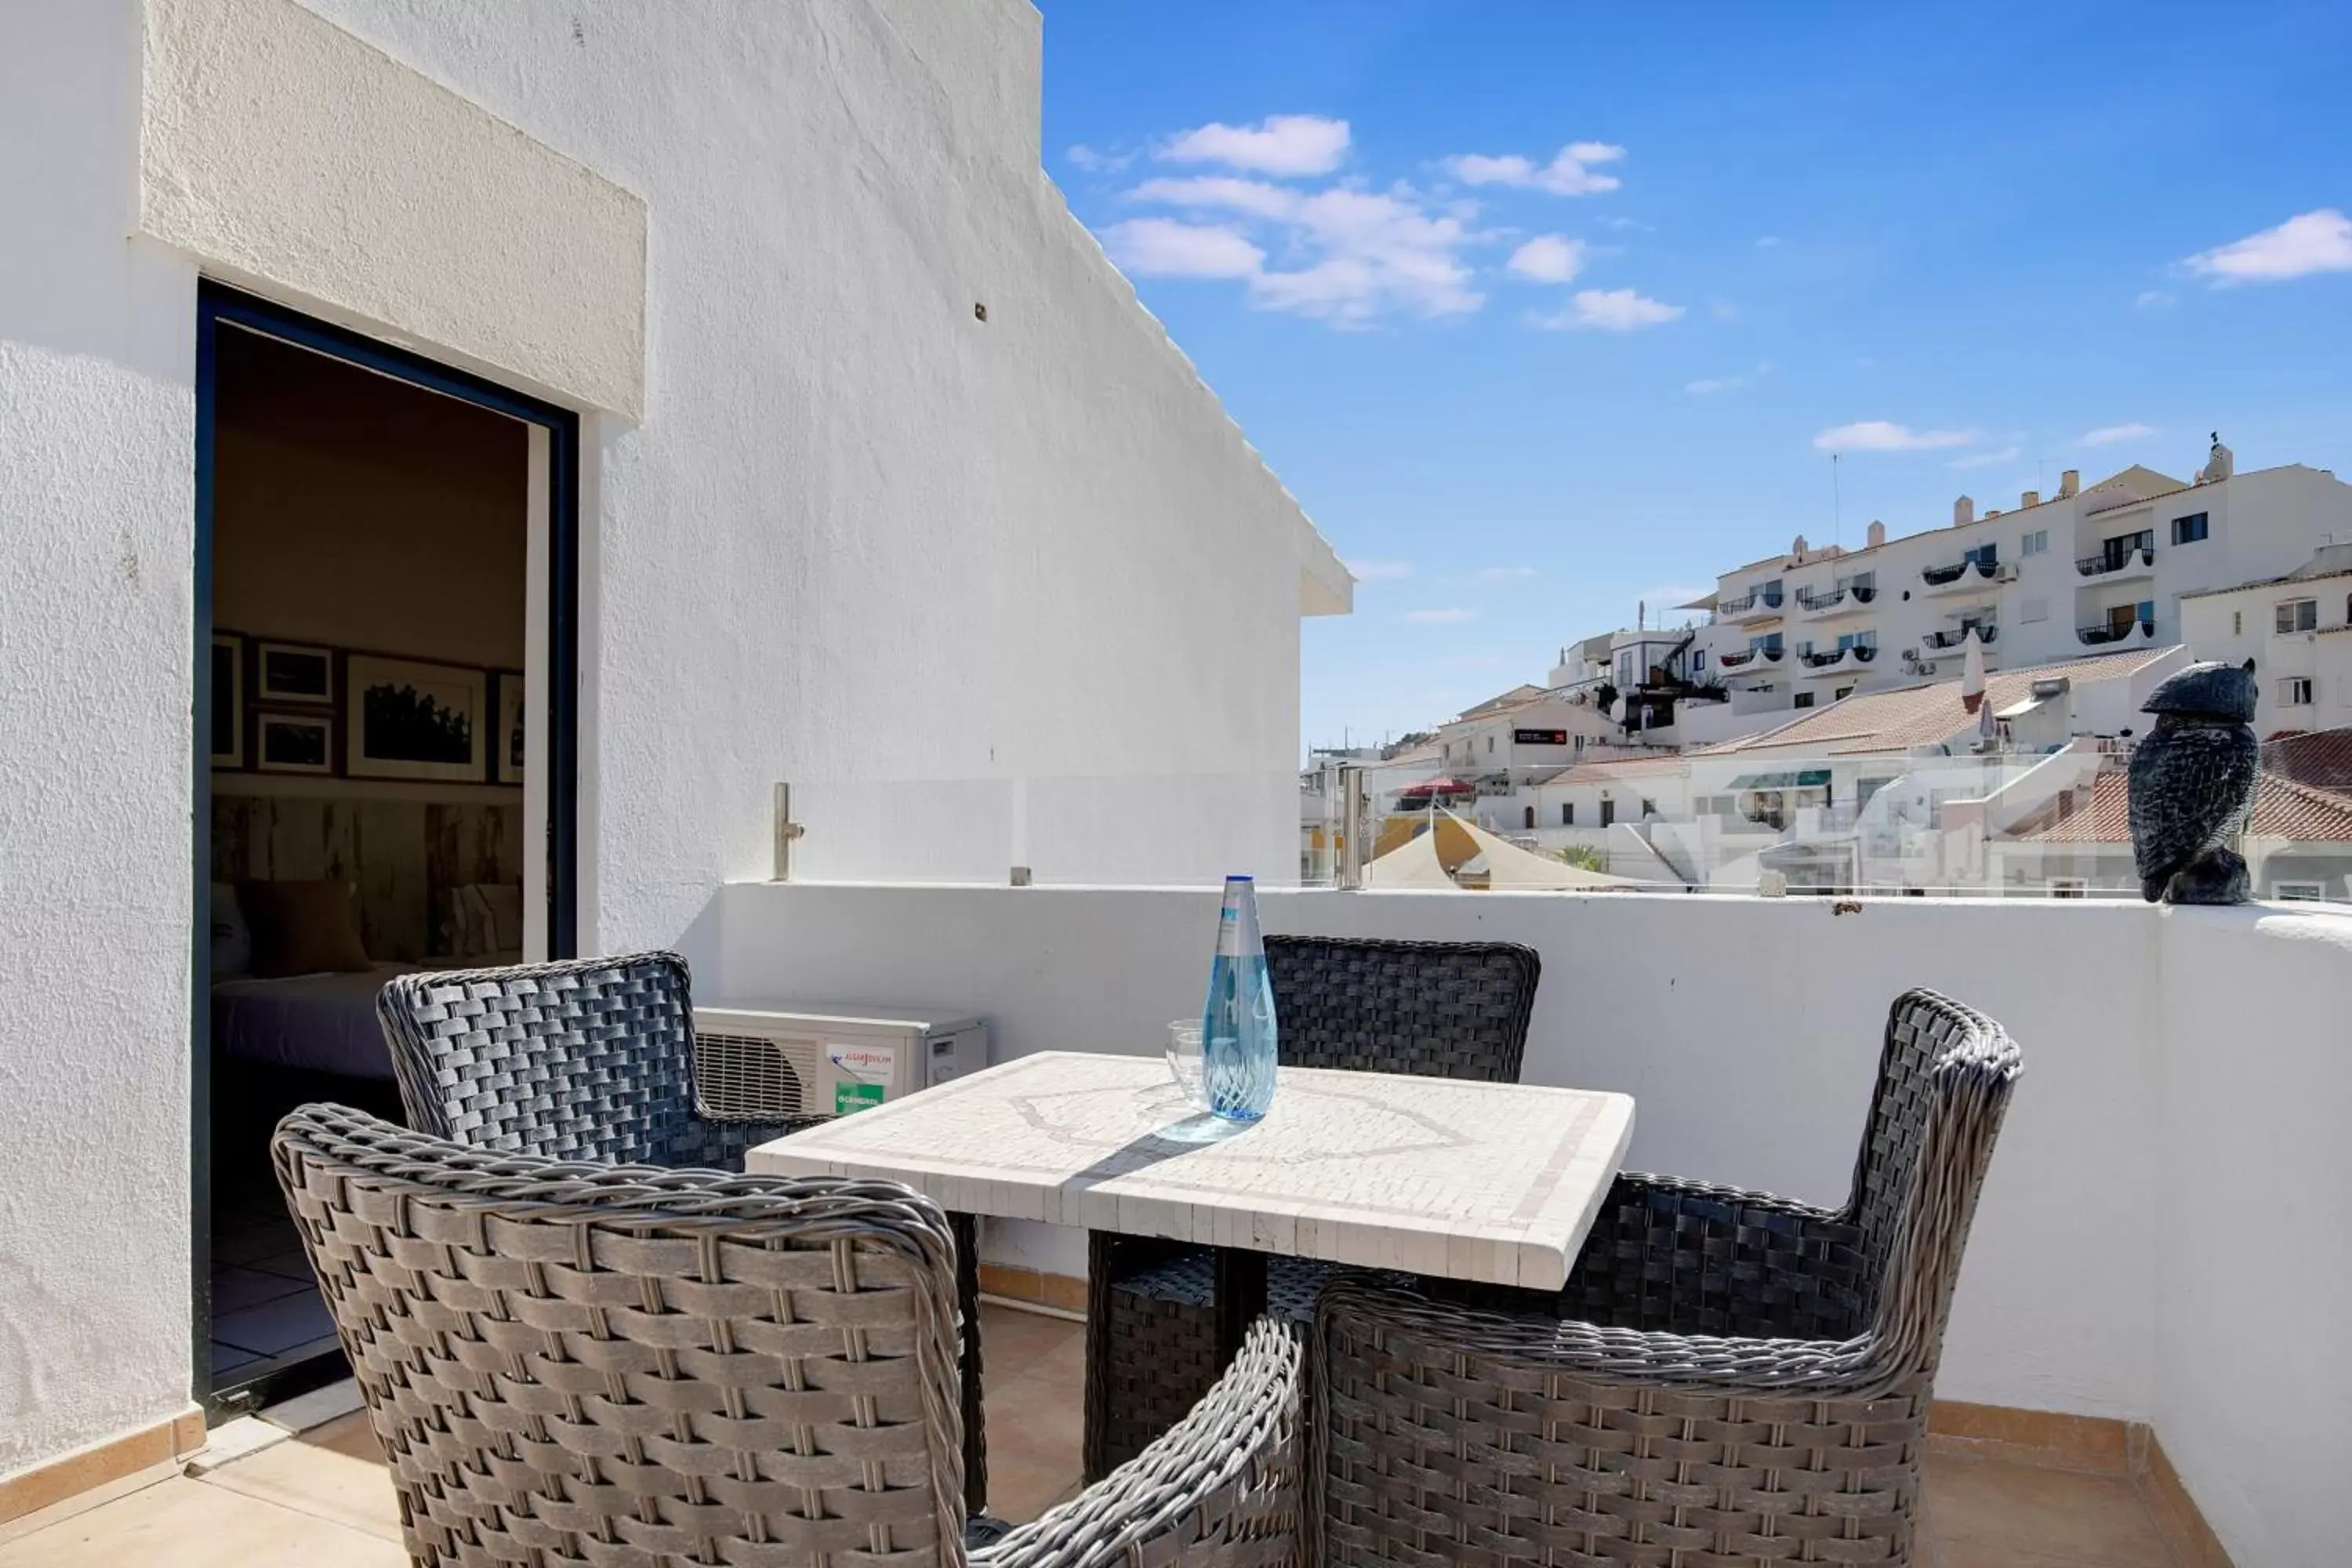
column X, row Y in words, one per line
column 1837, row 506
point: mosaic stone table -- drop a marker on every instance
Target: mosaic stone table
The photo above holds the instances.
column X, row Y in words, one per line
column 1496, row 1182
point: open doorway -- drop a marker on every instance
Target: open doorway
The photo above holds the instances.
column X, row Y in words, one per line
column 386, row 591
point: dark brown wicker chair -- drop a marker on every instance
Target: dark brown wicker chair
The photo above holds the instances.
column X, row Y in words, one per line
column 1729, row 1378
column 1444, row 1009
column 623, row 1366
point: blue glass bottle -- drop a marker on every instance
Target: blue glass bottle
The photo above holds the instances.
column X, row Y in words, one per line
column 1237, row 1030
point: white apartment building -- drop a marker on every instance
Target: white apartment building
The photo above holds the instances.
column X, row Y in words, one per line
column 2295, row 629
column 2087, row 571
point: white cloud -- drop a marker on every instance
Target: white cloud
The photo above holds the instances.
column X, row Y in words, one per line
column 1452, row 616
column 1097, row 162
column 1228, row 192
column 1379, row 570
column 1668, row 596
column 1986, row 460
column 1357, row 253
column 1505, row 573
column 2152, row 299
column 1880, row 435
column 1549, row 259
column 1609, row 311
column 1163, row 248
column 2110, row 435
column 1707, row 385
column 2311, row 243
column 1767, row 241
column 1570, row 173
column 1278, row 144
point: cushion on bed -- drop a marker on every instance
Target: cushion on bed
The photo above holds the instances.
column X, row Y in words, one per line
column 303, row 928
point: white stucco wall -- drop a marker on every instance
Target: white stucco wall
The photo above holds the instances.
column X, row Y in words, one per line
column 282, row 148
column 97, row 515
column 989, row 575
column 2157, row 1239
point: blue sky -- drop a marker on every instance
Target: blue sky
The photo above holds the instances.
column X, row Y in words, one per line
column 1544, row 309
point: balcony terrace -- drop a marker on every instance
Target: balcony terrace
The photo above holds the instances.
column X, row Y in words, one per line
column 1959, row 576
column 1756, row 605
column 2132, row 1337
column 2117, row 635
column 1831, row 661
column 2133, row 555
column 1960, row 636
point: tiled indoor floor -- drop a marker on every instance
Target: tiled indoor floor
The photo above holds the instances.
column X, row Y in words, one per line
column 266, row 1307
column 323, row 1498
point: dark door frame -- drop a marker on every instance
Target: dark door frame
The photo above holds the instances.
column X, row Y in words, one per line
column 219, row 306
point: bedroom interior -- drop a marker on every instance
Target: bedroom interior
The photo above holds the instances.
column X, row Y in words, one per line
column 369, row 793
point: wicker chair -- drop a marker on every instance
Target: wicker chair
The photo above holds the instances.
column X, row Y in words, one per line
column 589, row 1058
column 592, row 1058
column 1443, row 1009
column 1728, row 1377
column 632, row 1367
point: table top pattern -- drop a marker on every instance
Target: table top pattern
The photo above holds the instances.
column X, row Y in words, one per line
column 1496, row 1182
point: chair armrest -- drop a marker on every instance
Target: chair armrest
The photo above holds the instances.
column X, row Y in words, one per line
column 1692, row 1257
column 1524, row 1349
column 1221, row 1486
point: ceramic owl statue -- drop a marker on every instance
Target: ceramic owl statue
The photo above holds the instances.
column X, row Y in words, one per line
column 2192, row 786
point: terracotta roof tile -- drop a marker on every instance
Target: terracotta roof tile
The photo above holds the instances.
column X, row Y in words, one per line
column 2282, row 809
column 2320, row 758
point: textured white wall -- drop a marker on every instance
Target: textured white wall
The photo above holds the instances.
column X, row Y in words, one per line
column 97, row 516
column 280, row 147
column 2160, row 1238
column 853, row 538
column 862, row 542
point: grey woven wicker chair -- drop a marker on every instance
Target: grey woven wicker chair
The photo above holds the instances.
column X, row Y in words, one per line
column 589, row 1058
column 592, row 1058
column 632, row 1367
column 1729, row 1377
column 1443, row 1009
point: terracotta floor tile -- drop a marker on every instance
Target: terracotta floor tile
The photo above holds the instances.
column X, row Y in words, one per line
column 1983, row 1511
column 187, row 1524
column 1012, row 1344
column 322, row 1479
column 1033, row 1436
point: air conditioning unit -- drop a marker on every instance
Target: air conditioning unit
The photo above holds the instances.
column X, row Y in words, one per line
column 2005, row 572
column 769, row 1061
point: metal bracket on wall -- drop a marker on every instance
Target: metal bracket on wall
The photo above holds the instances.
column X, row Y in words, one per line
column 787, row 831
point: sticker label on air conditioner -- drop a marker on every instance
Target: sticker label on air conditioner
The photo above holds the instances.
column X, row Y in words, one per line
column 864, row 1075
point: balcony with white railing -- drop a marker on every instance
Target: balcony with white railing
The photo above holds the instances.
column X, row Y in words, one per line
column 1755, row 605
column 1957, row 637
column 1959, row 576
column 2121, row 1275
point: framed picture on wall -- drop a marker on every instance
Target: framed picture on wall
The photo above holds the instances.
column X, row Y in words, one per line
column 292, row 672
column 293, row 743
column 228, row 700
column 405, row 718
column 506, row 745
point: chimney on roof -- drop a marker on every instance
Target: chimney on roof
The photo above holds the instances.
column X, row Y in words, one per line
column 1964, row 512
column 2070, row 483
column 2030, row 499
column 1875, row 535
column 1798, row 549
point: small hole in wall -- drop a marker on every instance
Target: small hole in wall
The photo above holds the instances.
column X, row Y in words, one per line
column 979, row 311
